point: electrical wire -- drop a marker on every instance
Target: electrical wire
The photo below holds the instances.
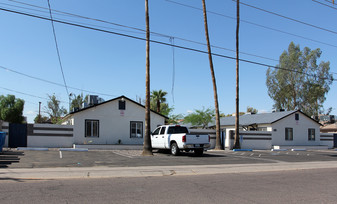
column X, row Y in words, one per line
column 325, row 4
column 138, row 29
column 57, row 49
column 26, row 94
column 255, row 24
column 159, row 42
column 291, row 19
column 54, row 83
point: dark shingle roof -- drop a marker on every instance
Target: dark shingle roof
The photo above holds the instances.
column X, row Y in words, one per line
column 263, row 118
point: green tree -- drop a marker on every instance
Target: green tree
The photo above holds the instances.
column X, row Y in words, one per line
column 200, row 117
column 300, row 83
column 11, row 109
column 157, row 97
column 218, row 145
column 77, row 101
column 175, row 119
column 251, row 110
column 158, row 100
column 165, row 109
column 54, row 109
column 40, row 119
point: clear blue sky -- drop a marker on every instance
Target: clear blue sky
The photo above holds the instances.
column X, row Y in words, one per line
column 115, row 65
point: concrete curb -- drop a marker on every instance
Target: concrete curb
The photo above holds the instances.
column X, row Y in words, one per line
column 113, row 172
column 74, row 150
column 32, row 149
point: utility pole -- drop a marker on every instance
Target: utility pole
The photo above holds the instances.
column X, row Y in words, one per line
column 39, row 119
column 237, row 113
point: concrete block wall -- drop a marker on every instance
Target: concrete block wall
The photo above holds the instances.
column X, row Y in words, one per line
column 327, row 139
column 50, row 135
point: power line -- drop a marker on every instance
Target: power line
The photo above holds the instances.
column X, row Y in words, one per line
column 255, row 24
column 291, row 19
column 134, row 28
column 325, row 4
column 31, row 95
column 54, row 83
column 57, row 49
column 161, row 43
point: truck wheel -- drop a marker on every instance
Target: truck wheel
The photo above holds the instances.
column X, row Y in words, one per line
column 175, row 149
column 198, row 152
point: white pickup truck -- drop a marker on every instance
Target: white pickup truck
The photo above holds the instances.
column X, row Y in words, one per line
column 176, row 138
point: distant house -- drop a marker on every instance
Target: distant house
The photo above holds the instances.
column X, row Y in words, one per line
column 268, row 130
column 329, row 128
column 119, row 120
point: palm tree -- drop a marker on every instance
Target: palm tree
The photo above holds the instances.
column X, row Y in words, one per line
column 158, row 97
column 237, row 137
column 147, row 148
column 76, row 102
column 217, row 115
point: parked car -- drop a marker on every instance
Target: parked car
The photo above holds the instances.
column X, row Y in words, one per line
column 177, row 138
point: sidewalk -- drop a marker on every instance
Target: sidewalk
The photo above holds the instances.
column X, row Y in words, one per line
column 145, row 171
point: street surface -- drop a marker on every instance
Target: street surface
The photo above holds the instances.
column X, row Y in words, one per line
column 133, row 158
column 299, row 186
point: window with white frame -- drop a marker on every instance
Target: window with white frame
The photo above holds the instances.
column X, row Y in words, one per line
column 289, row 134
column 91, row 128
column 136, row 129
column 311, row 134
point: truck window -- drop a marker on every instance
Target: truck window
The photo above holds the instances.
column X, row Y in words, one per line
column 162, row 131
column 177, row 129
column 156, row 132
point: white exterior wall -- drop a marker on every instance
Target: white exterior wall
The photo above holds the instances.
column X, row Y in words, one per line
column 258, row 140
column 49, row 142
column 249, row 144
column 50, row 135
column 327, row 139
column 113, row 124
column 300, row 131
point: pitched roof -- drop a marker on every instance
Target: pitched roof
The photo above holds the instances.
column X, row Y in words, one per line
column 118, row 98
column 263, row 118
column 329, row 128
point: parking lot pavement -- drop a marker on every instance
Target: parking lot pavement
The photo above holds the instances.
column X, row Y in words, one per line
column 133, row 158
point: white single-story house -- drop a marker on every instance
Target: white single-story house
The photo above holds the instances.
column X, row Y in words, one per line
column 117, row 121
column 273, row 130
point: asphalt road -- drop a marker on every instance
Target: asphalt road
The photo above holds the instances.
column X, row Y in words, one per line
column 299, row 186
column 133, row 158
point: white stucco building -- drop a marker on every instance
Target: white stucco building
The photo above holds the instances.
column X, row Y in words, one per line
column 119, row 120
column 273, row 130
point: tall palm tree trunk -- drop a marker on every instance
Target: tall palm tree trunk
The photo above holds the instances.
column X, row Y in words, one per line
column 217, row 117
column 158, row 106
column 147, row 148
column 237, row 136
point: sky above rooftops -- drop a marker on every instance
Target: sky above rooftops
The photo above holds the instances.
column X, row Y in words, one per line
column 111, row 65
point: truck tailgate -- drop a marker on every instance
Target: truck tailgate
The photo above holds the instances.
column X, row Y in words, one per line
column 197, row 139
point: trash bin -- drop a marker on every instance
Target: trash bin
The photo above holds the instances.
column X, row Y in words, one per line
column 2, row 140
